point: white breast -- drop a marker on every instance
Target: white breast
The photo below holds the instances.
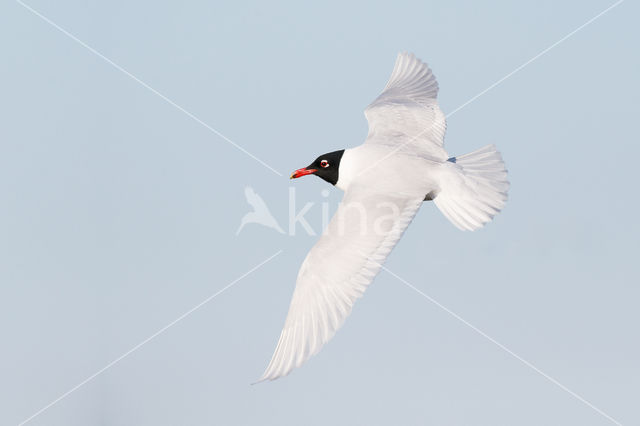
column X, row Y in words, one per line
column 386, row 170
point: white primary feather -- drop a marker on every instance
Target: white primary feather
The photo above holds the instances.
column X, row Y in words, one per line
column 406, row 115
column 337, row 271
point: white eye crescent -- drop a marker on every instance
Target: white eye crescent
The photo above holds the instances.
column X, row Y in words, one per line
column 324, row 164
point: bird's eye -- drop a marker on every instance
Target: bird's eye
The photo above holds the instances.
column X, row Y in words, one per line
column 324, row 164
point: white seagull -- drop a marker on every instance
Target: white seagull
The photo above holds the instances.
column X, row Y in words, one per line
column 401, row 164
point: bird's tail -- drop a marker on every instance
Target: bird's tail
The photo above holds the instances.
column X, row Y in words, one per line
column 473, row 188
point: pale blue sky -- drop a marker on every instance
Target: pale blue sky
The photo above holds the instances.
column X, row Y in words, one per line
column 119, row 213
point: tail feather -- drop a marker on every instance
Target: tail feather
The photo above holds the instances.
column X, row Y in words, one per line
column 473, row 188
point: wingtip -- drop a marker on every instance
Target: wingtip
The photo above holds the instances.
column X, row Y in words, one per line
column 409, row 55
column 264, row 378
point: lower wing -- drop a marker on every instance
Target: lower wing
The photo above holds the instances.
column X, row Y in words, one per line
column 337, row 271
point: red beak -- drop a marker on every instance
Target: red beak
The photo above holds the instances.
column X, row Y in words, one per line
column 302, row 172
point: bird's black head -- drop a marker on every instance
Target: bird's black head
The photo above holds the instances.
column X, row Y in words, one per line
column 326, row 166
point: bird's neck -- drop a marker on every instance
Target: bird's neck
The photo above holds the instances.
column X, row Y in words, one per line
column 348, row 169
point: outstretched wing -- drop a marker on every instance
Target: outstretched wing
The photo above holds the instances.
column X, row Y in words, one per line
column 337, row 271
column 406, row 115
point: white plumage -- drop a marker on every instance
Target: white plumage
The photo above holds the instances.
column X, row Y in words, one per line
column 402, row 163
column 406, row 115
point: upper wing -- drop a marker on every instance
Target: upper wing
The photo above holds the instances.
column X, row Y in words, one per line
column 406, row 115
column 337, row 271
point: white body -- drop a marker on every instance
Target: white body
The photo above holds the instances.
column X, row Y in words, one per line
column 402, row 163
column 388, row 170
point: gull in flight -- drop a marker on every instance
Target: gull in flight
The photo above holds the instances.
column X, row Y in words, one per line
column 401, row 164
